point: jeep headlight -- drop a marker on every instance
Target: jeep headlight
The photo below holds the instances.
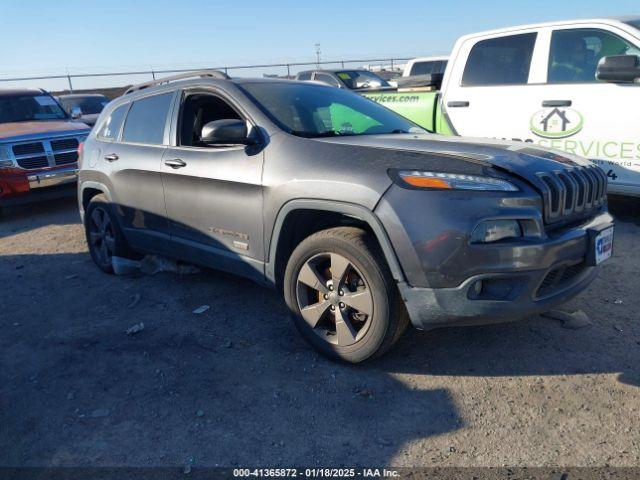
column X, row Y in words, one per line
column 5, row 157
column 454, row 181
column 491, row 231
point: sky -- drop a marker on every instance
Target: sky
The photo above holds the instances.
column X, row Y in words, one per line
column 43, row 37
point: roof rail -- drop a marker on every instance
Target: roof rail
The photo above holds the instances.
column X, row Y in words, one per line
column 183, row 76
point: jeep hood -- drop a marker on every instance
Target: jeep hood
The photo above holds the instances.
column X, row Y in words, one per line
column 521, row 159
column 25, row 130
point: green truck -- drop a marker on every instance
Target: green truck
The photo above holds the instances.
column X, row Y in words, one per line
column 422, row 107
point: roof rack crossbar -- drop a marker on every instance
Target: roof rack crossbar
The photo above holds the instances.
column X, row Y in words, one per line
column 183, row 76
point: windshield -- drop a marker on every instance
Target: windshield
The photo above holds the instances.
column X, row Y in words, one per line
column 313, row 111
column 88, row 105
column 355, row 79
column 25, row 108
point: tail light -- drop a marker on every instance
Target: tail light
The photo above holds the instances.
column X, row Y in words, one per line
column 80, row 149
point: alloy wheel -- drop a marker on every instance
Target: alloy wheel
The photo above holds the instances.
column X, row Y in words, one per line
column 334, row 298
column 101, row 235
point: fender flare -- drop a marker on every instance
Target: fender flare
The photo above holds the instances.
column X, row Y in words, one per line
column 352, row 210
column 93, row 185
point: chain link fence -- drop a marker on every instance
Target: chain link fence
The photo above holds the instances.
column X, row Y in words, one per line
column 71, row 82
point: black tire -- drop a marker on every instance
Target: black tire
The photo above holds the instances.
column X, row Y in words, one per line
column 113, row 239
column 366, row 331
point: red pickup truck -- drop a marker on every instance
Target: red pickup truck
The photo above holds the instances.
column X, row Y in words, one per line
column 38, row 147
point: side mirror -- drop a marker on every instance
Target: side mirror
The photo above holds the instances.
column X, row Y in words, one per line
column 225, row 132
column 619, row 69
column 76, row 113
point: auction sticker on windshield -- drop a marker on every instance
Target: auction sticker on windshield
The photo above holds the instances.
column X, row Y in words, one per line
column 604, row 245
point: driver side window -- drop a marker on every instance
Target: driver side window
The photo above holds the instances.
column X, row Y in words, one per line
column 575, row 53
column 197, row 110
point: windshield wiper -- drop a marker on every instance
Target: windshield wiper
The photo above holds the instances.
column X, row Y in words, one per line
column 327, row 133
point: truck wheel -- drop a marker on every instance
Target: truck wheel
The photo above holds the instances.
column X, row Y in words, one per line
column 342, row 295
column 104, row 237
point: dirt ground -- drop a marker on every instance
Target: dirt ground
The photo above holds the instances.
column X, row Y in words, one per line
column 236, row 385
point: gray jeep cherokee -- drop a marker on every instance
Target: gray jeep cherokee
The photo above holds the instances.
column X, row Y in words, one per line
column 362, row 219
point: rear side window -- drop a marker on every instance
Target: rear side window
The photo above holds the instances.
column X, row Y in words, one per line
column 304, row 76
column 500, row 61
column 111, row 127
column 428, row 68
column 146, row 120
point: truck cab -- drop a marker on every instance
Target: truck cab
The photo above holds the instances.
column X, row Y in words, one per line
column 540, row 84
column 425, row 66
column 88, row 105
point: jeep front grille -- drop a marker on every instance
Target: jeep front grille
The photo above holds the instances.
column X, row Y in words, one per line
column 46, row 153
column 572, row 193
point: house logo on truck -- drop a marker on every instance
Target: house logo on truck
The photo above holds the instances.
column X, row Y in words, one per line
column 556, row 123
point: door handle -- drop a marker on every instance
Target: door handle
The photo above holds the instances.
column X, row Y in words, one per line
column 556, row 103
column 111, row 157
column 457, row 104
column 175, row 163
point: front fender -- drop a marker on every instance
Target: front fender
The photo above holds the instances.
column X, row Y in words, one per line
column 352, row 210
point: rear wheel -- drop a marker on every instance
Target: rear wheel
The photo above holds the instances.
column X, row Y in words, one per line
column 104, row 236
column 343, row 296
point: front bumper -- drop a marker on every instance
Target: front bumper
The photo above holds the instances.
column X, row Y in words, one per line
column 450, row 281
column 510, row 295
column 431, row 308
column 52, row 178
column 19, row 187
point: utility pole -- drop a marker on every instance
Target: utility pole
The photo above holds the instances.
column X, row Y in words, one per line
column 318, row 52
column 69, row 80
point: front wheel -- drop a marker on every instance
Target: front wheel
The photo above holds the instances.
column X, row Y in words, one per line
column 343, row 296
